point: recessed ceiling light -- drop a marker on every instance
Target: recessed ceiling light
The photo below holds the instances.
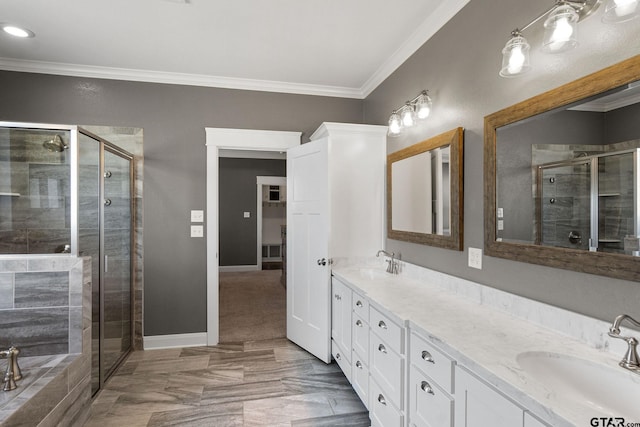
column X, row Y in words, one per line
column 17, row 31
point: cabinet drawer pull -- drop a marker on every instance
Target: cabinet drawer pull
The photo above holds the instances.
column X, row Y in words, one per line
column 358, row 323
column 338, row 357
column 381, row 324
column 426, row 387
column 382, row 349
column 359, row 304
column 382, row 400
column 426, row 356
column 358, row 364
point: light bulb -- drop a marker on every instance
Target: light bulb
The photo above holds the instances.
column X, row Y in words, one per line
column 423, row 106
column 408, row 115
column 515, row 56
column 516, row 60
column 560, row 30
column 617, row 11
column 395, row 124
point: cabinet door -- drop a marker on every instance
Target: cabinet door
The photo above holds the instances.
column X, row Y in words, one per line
column 360, row 378
column 341, row 316
column 360, row 337
column 479, row 405
column 429, row 406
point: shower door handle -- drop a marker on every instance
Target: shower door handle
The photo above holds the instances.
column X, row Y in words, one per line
column 106, row 263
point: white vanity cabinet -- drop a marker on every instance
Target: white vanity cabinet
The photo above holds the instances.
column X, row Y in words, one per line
column 387, row 369
column 479, row 405
column 360, row 346
column 341, row 325
column 431, row 372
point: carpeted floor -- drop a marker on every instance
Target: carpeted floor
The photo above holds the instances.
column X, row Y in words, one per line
column 253, row 306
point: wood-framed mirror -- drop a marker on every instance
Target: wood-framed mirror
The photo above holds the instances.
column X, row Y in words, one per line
column 424, row 192
column 555, row 194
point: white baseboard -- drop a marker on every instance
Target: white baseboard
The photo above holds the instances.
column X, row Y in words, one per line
column 156, row 342
column 237, row 268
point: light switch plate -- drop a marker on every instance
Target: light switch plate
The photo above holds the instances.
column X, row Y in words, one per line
column 247, row 214
column 197, row 216
column 500, row 224
column 475, row 258
column 500, row 212
column 197, row 231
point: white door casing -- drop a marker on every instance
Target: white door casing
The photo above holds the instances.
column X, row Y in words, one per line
column 230, row 139
column 308, row 266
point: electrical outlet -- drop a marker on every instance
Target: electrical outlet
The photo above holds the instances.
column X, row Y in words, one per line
column 500, row 224
column 475, row 258
column 197, row 231
column 500, row 212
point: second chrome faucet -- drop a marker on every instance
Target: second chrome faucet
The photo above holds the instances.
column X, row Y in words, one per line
column 392, row 263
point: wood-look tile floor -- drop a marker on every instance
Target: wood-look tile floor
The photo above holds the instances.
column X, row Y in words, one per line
column 256, row 383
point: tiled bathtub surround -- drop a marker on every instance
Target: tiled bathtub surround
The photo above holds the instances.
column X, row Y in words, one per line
column 41, row 299
column 46, row 313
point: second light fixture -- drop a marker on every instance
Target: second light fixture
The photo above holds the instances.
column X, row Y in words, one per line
column 406, row 116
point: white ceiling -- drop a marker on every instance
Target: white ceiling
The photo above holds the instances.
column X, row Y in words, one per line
column 322, row 47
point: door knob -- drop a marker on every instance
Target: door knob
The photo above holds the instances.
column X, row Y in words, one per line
column 322, row 261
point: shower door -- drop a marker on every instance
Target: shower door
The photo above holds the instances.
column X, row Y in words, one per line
column 105, row 218
column 564, row 208
column 116, row 250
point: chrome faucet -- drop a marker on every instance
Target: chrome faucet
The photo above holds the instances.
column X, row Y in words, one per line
column 13, row 372
column 392, row 264
column 630, row 359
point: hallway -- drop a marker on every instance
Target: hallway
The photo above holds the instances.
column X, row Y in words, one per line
column 253, row 306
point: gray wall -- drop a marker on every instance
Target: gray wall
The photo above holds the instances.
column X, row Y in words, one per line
column 459, row 66
column 174, row 119
column 238, row 235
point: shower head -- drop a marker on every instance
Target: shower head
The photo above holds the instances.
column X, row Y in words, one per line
column 55, row 144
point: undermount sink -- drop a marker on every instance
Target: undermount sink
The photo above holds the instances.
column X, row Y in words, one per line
column 374, row 273
column 611, row 390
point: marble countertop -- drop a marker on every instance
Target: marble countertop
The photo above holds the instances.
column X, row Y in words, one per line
column 486, row 340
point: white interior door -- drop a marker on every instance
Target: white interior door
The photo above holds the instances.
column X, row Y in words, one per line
column 308, row 267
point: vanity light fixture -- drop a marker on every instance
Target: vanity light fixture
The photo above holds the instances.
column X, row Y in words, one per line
column 410, row 113
column 561, row 28
column 17, row 31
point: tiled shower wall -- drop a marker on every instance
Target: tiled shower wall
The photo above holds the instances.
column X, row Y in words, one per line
column 41, row 304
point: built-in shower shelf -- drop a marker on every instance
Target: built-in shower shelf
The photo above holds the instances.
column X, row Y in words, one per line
column 2, row 193
column 609, row 194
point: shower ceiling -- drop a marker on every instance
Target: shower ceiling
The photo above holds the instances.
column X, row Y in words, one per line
column 323, row 47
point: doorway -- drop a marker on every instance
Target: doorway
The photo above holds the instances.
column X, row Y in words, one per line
column 230, row 139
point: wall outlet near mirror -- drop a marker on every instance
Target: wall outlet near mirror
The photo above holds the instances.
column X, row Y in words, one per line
column 475, row 258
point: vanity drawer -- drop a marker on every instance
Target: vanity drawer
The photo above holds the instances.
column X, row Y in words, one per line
column 360, row 378
column 431, row 361
column 342, row 361
column 361, row 337
column 386, row 329
column 429, row 406
column 387, row 367
column 381, row 411
column 360, row 306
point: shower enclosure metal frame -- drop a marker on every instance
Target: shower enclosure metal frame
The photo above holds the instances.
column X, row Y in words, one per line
column 73, row 151
column 114, row 149
column 593, row 161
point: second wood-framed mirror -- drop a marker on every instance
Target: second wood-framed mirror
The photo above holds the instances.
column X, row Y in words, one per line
column 562, row 176
column 425, row 192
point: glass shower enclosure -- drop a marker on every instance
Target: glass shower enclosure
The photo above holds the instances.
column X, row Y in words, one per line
column 590, row 203
column 66, row 191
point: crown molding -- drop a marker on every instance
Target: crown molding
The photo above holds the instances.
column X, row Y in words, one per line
column 436, row 20
column 88, row 71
